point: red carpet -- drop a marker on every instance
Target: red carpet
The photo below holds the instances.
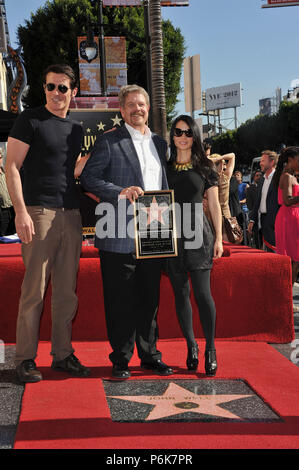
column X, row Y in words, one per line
column 68, row 413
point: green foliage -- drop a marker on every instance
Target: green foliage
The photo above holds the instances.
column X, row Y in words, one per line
column 174, row 51
column 261, row 133
column 50, row 36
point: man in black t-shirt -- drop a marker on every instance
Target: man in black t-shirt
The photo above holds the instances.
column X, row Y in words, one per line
column 46, row 145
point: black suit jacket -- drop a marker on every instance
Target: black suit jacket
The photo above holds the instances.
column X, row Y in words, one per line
column 272, row 206
column 112, row 166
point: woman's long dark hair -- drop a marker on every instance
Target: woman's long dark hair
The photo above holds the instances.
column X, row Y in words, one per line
column 201, row 163
column 286, row 153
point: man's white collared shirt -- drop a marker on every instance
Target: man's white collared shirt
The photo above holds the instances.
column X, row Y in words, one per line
column 148, row 157
column 266, row 184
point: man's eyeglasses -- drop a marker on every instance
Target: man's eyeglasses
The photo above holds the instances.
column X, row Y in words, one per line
column 62, row 88
column 179, row 132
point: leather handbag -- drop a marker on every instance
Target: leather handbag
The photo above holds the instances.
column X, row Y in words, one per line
column 233, row 230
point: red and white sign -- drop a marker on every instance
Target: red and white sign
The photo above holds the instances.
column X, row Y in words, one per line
column 139, row 3
column 280, row 3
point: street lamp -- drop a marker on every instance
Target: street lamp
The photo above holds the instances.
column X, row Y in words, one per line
column 91, row 49
column 102, row 51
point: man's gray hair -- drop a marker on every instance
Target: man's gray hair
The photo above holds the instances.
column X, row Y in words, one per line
column 126, row 89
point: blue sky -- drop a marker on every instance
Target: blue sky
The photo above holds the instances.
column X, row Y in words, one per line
column 238, row 41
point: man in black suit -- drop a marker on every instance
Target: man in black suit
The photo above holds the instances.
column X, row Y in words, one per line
column 123, row 164
column 251, row 197
column 266, row 205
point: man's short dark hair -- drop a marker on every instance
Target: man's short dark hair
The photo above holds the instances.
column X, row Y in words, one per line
column 62, row 68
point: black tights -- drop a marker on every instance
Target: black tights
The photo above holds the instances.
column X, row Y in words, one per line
column 200, row 280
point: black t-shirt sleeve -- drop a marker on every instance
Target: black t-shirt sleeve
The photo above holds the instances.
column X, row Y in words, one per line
column 22, row 129
column 211, row 179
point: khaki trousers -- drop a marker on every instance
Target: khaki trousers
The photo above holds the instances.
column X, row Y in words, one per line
column 54, row 252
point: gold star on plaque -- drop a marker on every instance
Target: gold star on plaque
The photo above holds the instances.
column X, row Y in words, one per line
column 116, row 120
column 177, row 400
column 88, row 130
column 101, row 126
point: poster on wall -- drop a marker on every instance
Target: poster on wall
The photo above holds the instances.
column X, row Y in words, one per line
column 116, row 66
column 265, row 106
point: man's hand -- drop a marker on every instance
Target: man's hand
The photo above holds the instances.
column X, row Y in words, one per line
column 250, row 227
column 24, row 227
column 131, row 193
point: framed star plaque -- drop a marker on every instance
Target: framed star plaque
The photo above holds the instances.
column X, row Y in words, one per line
column 155, row 232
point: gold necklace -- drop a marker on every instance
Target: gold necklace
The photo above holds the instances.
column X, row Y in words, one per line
column 182, row 166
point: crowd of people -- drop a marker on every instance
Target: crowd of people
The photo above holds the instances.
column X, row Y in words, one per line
column 123, row 164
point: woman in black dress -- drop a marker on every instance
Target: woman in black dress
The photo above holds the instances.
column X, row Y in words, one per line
column 190, row 173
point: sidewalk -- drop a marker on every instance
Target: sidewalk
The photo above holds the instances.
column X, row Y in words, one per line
column 296, row 303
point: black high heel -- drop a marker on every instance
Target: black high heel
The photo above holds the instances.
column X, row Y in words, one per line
column 210, row 362
column 192, row 358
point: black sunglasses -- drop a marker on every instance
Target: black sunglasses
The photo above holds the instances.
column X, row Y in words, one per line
column 62, row 88
column 179, row 132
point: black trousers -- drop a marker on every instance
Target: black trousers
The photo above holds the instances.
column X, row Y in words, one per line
column 131, row 298
column 7, row 221
column 268, row 232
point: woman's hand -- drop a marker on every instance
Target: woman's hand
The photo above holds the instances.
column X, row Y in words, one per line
column 218, row 249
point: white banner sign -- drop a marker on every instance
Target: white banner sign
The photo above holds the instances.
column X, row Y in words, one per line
column 228, row 96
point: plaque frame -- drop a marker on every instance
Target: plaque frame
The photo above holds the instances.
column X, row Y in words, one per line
column 164, row 244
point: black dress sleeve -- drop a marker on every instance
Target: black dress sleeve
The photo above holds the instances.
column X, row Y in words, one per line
column 211, row 178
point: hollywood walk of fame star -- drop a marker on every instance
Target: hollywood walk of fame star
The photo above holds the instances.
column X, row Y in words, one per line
column 176, row 398
column 116, row 120
column 101, row 126
column 155, row 212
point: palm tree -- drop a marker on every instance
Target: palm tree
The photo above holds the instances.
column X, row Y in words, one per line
column 158, row 87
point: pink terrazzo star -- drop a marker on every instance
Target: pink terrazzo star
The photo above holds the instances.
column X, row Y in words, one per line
column 154, row 212
column 178, row 400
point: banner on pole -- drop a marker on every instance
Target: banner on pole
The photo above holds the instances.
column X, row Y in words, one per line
column 192, row 84
column 116, row 66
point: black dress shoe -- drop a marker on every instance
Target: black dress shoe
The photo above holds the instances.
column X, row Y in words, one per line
column 121, row 371
column 27, row 372
column 72, row 366
column 157, row 366
column 210, row 362
column 192, row 358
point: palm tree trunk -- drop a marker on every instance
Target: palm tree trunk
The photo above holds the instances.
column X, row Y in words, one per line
column 158, row 87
